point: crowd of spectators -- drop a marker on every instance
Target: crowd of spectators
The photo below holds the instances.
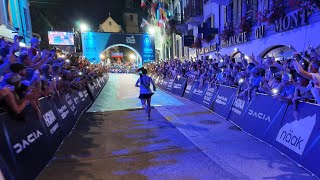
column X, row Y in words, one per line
column 292, row 79
column 28, row 73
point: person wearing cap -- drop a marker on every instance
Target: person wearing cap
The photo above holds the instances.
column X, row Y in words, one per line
column 34, row 49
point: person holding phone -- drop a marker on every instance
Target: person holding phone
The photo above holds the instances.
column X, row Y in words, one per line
column 144, row 83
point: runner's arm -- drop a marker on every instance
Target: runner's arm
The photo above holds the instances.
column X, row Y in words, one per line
column 137, row 83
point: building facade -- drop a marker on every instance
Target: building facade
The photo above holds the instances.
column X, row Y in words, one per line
column 249, row 26
column 15, row 17
column 109, row 25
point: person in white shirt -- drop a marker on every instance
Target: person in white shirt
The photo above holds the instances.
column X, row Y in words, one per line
column 144, row 83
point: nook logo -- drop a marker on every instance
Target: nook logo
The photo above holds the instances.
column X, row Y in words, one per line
column 295, row 135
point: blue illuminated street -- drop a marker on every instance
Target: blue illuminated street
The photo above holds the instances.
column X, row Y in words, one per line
column 114, row 140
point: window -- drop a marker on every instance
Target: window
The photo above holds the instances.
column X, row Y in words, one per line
column 131, row 17
column 110, row 23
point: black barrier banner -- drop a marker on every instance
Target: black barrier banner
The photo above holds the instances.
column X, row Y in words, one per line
column 198, row 92
column 91, row 91
column 299, row 136
column 238, row 109
column 160, row 82
column 261, row 121
column 188, row 92
column 69, row 99
column 170, row 85
column 179, row 85
column 84, row 99
column 209, row 95
column 223, row 100
column 165, row 84
column 66, row 116
column 51, row 118
column 31, row 143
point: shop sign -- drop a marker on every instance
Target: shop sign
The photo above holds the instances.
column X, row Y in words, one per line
column 236, row 39
column 293, row 20
column 208, row 49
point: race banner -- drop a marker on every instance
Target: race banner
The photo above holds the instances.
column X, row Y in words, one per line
column 179, row 85
column 299, row 136
column 198, row 92
column 223, row 101
column 189, row 89
column 170, row 85
column 209, row 95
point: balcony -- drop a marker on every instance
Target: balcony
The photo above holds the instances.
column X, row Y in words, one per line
column 193, row 12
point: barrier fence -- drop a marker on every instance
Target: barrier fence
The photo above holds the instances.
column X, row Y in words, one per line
column 28, row 144
column 264, row 117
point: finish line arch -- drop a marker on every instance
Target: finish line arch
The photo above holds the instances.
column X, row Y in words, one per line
column 139, row 57
column 94, row 43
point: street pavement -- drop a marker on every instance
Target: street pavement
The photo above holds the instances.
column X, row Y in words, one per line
column 184, row 140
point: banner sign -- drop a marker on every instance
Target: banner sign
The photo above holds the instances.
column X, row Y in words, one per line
column 179, row 85
column 165, row 84
column 94, row 43
column 198, row 92
column 189, row 89
column 260, row 121
column 238, row 109
column 223, row 101
column 299, row 136
column 170, row 85
column 209, row 95
column 65, row 113
column 29, row 140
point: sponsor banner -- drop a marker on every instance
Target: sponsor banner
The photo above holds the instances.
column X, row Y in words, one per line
column 223, row 101
column 161, row 82
column 299, row 136
column 262, row 116
column 81, row 99
column 67, row 118
column 209, row 95
column 91, row 89
column 198, row 92
column 170, row 85
column 179, row 85
column 239, row 106
column 30, row 142
column 165, row 84
column 51, row 119
column 189, row 89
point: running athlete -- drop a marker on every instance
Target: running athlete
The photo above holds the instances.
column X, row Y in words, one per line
column 145, row 92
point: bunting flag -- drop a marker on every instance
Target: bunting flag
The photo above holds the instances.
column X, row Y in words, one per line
column 143, row 4
column 144, row 23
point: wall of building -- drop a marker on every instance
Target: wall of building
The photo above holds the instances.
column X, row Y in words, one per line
column 18, row 16
column 107, row 27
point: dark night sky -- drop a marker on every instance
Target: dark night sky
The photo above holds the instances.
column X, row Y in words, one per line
column 67, row 12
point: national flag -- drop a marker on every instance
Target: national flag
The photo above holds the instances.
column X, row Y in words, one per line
column 144, row 23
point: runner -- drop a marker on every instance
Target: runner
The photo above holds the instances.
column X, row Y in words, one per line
column 145, row 92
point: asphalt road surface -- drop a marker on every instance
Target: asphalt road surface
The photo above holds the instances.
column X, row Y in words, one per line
column 114, row 140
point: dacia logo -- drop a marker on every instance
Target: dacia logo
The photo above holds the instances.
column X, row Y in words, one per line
column 31, row 138
column 259, row 115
